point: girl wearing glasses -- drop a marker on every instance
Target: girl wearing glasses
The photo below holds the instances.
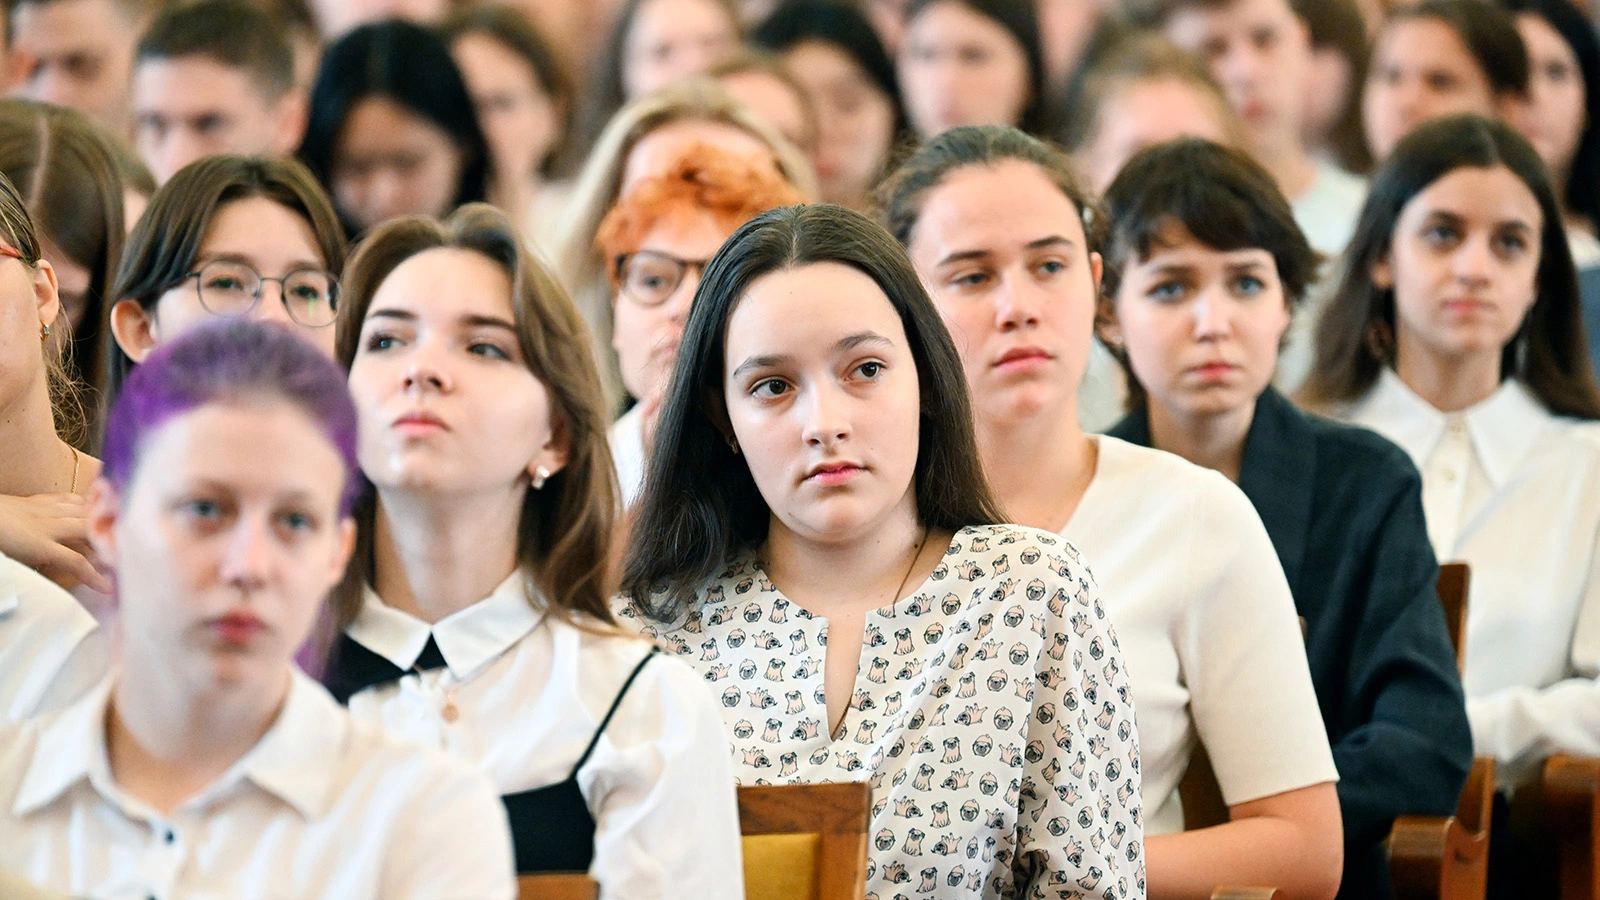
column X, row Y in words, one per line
column 475, row 618
column 228, row 236
column 657, row 241
column 206, row 764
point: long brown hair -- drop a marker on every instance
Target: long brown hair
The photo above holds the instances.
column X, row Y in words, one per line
column 564, row 535
column 1355, row 337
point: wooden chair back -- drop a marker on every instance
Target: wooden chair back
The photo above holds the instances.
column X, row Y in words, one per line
column 557, row 886
column 1454, row 578
column 805, row 841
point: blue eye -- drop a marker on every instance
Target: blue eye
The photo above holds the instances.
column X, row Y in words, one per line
column 379, row 341
column 1167, row 291
column 297, row 521
column 1248, row 286
column 204, row 509
column 488, row 351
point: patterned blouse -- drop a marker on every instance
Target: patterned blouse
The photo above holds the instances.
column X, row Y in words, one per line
column 991, row 714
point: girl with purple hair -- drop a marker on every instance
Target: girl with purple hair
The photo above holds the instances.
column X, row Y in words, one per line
column 206, row 762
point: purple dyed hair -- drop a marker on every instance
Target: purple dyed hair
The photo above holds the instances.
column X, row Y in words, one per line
column 230, row 361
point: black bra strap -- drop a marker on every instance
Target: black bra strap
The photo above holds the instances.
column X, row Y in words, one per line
column 613, row 710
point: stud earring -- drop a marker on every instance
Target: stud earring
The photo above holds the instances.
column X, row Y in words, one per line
column 540, row 476
column 44, row 333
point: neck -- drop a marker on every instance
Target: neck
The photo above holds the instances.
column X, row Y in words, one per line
column 1215, row 441
column 1449, row 384
column 435, row 555
column 1286, row 160
column 825, row 576
column 1039, row 466
column 167, row 743
column 36, row 461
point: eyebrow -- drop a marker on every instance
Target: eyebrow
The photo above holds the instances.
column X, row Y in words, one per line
column 470, row 320
column 203, row 258
column 848, row 342
column 966, row 255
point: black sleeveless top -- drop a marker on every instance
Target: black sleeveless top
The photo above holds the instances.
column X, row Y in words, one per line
column 551, row 827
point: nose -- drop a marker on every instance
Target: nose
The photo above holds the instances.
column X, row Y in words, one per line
column 1211, row 316
column 826, row 421
column 1472, row 261
column 247, row 556
column 1239, row 67
column 270, row 306
column 424, row 373
column 1017, row 304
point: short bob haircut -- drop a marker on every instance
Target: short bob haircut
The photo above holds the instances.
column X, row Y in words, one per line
column 1356, row 336
column 1583, row 181
column 410, row 66
column 65, row 168
column 1221, row 197
column 163, row 247
column 564, row 537
column 701, row 505
column 1019, row 20
column 233, row 362
column 1486, row 30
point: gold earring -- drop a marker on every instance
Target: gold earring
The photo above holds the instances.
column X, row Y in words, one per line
column 540, row 476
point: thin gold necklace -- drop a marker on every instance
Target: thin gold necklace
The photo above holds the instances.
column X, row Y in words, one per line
column 76, row 459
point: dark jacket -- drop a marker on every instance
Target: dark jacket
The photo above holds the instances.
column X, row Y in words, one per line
column 1343, row 507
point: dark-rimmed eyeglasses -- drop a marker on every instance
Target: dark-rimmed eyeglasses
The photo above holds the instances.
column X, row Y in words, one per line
column 650, row 277
column 232, row 288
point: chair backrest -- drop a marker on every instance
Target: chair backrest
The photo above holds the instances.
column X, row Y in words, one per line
column 1454, row 579
column 805, row 841
column 557, row 886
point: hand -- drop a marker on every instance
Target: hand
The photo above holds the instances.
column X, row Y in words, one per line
column 48, row 533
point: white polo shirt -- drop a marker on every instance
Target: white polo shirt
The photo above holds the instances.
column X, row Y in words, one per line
column 51, row 650
column 320, row 807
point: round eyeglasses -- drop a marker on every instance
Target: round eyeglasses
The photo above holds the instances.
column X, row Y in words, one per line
column 650, row 277
column 232, row 288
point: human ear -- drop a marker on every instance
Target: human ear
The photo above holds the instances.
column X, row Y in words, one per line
column 1383, row 274
column 46, row 292
column 101, row 520
column 290, row 119
column 1107, row 327
column 134, row 328
column 555, row 453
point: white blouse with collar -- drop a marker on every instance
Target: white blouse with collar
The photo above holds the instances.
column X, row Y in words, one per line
column 1209, row 627
column 1513, row 491
column 51, row 650
column 320, row 807
column 990, row 714
column 531, row 691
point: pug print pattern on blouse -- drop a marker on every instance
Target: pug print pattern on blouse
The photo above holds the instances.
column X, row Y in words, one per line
column 991, row 714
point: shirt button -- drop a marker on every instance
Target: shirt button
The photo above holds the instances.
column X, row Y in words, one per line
column 1449, row 476
column 171, row 836
column 1457, row 427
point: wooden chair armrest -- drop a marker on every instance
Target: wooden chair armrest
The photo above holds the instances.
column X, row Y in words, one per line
column 557, row 886
column 1246, row 893
column 1446, row 857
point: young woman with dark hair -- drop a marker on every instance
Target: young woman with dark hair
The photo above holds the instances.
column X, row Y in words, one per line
column 973, row 62
column 206, row 763
column 476, row 612
column 1204, row 267
column 815, row 477
column 1006, row 242
column 1456, row 333
column 392, row 130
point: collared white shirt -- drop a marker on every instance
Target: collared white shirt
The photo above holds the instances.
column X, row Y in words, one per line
column 51, row 650
column 990, row 714
column 531, row 691
column 1513, row 491
column 320, row 807
column 1208, row 625
column 626, row 438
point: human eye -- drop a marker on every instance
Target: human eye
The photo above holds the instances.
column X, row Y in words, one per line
column 1440, row 235
column 970, row 279
column 1049, row 267
column 871, row 369
column 203, row 514
column 1511, row 243
column 296, row 522
column 1248, row 286
column 1166, row 291
column 769, row 388
column 378, row 340
column 488, row 350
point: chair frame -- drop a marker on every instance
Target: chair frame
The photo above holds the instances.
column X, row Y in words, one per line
column 838, row 814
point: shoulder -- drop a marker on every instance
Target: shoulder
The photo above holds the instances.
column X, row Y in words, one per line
column 1164, row 486
column 28, row 597
column 1357, row 454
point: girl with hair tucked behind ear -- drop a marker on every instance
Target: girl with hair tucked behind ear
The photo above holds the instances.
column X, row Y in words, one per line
column 475, row 614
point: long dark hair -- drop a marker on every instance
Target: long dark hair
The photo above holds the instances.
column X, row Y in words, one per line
column 411, row 66
column 700, row 504
column 565, row 530
column 1583, row 180
column 842, row 27
column 1355, row 338
column 1019, row 20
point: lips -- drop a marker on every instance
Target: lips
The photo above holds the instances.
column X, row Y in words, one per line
column 1214, row 370
column 418, row 421
column 1021, row 357
column 236, row 628
column 834, row 473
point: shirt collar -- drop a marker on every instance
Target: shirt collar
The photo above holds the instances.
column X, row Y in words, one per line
column 1504, row 428
column 296, row 760
column 468, row 639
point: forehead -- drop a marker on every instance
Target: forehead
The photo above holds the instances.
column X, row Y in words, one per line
column 378, row 124
column 805, row 311
column 1155, row 110
column 264, row 446
column 443, row 284
column 262, row 231
column 1494, row 195
column 1175, row 245
column 993, row 207
column 191, row 82
column 86, row 24
column 1196, row 21
column 1423, row 43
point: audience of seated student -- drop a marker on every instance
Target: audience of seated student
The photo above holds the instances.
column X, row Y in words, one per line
column 392, row 130
column 850, row 593
column 227, row 236
column 1260, row 51
column 1330, row 128
column 1456, row 334
column 833, row 53
column 525, row 101
column 77, row 53
column 476, row 615
column 760, row 82
column 1140, row 90
column 652, row 44
column 65, row 168
column 1204, row 266
column 1438, row 58
column 50, row 651
column 205, row 762
column 1006, row 242
column 644, row 138
column 973, row 62
column 214, row 77
column 657, row 241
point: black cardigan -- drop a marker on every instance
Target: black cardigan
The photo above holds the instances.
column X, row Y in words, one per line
column 1343, row 507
